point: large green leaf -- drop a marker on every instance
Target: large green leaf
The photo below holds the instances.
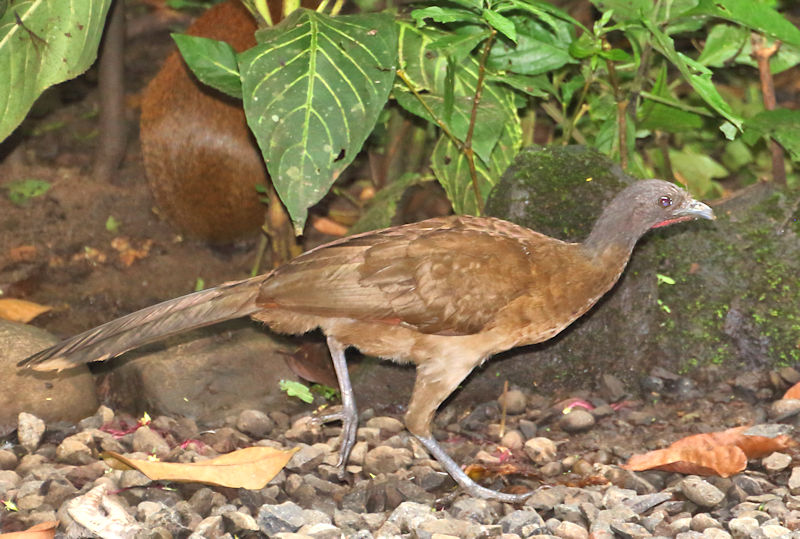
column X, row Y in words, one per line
column 753, row 14
column 426, row 69
column 43, row 43
column 452, row 169
column 313, row 88
column 213, row 62
column 781, row 124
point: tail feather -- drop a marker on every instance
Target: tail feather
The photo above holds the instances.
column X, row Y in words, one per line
column 231, row 300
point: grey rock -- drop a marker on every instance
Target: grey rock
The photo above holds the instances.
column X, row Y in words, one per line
column 703, row 521
column 320, row 530
column 514, row 400
column 51, row 396
column 514, row 521
column 742, row 527
column 701, row 492
column 776, row 462
column 209, row 527
column 385, row 459
column 307, row 458
column 255, row 423
column 386, row 424
column 29, row 431
column 474, row 510
column 409, row 516
column 570, row 530
column 286, row 517
column 578, row 420
column 448, row 527
column 238, row 523
column 540, row 450
column 74, row 451
column 146, row 440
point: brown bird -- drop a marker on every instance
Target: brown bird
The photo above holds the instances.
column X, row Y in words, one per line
column 444, row 294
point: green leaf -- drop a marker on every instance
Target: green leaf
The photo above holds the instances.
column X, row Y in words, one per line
column 696, row 74
column 723, row 43
column 661, row 116
column 20, row 192
column 383, row 207
column 780, row 124
column 427, row 70
column 42, row 44
column 213, row 62
column 538, row 49
column 296, row 389
column 443, row 15
column 752, row 14
column 460, row 44
column 112, row 224
column 452, row 170
column 697, row 169
column 313, row 89
column 616, row 55
column 500, row 23
column 535, row 86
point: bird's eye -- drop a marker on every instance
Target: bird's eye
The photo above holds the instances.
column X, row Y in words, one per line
column 665, row 202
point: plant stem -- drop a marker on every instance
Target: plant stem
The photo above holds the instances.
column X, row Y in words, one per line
column 468, row 151
column 762, row 55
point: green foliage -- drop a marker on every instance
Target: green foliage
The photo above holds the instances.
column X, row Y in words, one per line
column 315, row 86
column 20, row 192
column 296, row 389
column 42, row 44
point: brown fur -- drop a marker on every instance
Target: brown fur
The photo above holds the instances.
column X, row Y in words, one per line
column 201, row 161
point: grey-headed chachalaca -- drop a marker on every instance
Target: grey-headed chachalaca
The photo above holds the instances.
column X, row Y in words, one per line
column 444, row 294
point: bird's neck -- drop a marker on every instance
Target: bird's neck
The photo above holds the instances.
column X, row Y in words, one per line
column 616, row 229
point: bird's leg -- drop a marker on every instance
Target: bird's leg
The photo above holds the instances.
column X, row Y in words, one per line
column 435, row 381
column 349, row 413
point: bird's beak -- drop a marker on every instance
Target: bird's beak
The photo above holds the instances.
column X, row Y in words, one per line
column 695, row 210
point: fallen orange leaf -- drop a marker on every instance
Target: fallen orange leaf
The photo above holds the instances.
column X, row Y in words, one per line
column 725, row 460
column 251, row 468
column 19, row 310
column 793, row 392
column 328, row 226
column 43, row 530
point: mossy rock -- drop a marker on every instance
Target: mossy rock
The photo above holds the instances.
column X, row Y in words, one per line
column 735, row 302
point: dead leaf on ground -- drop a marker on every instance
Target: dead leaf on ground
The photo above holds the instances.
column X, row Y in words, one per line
column 20, row 310
column 328, row 226
column 22, row 253
column 723, row 453
column 43, row 530
column 129, row 251
column 793, row 392
column 251, row 468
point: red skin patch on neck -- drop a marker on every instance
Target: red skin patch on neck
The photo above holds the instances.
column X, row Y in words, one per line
column 671, row 221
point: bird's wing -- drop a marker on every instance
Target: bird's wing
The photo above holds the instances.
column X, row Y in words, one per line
column 443, row 276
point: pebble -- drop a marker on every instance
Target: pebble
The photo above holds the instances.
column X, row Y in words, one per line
column 776, row 462
column 29, row 431
column 386, row 460
column 701, row 492
column 578, row 420
column 540, row 450
column 255, row 423
column 514, row 400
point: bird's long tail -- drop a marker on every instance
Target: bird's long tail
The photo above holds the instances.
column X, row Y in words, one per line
column 230, row 300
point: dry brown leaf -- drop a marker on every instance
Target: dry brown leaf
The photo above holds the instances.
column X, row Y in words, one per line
column 725, row 460
column 330, row 227
column 130, row 253
column 23, row 253
column 793, row 392
column 251, row 468
column 753, row 446
column 19, row 310
column 43, row 530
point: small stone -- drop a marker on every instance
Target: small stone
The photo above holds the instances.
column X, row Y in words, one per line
column 701, row 492
column 794, row 481
column 474, row 510
column 540, row 450
column 237, row 522
column 578, row 420
column 371, row 435
column 784, row 408
column 320, row 530
column 611, row 388
column 514, row 521
column 513, row 440
column 286, row 517
column 742, row 527
column 133, row 478
column 210, row 527
column 408, row 516
column 29, row 431
column 703, row 521
column 776, row 462
column 8, row 460
column 570, row 530
column 254, row 423
column 629, row 530
column 515, row 401
column 73, row 451
column 387, row 424
column 146, row 440
column 307, row 458
column 770, row 531
column 385, row 459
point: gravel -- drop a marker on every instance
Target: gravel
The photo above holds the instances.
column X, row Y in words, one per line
column 393, row 488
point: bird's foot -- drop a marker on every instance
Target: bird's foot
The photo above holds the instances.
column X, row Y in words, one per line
column 470, row 486
column 349, row 419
